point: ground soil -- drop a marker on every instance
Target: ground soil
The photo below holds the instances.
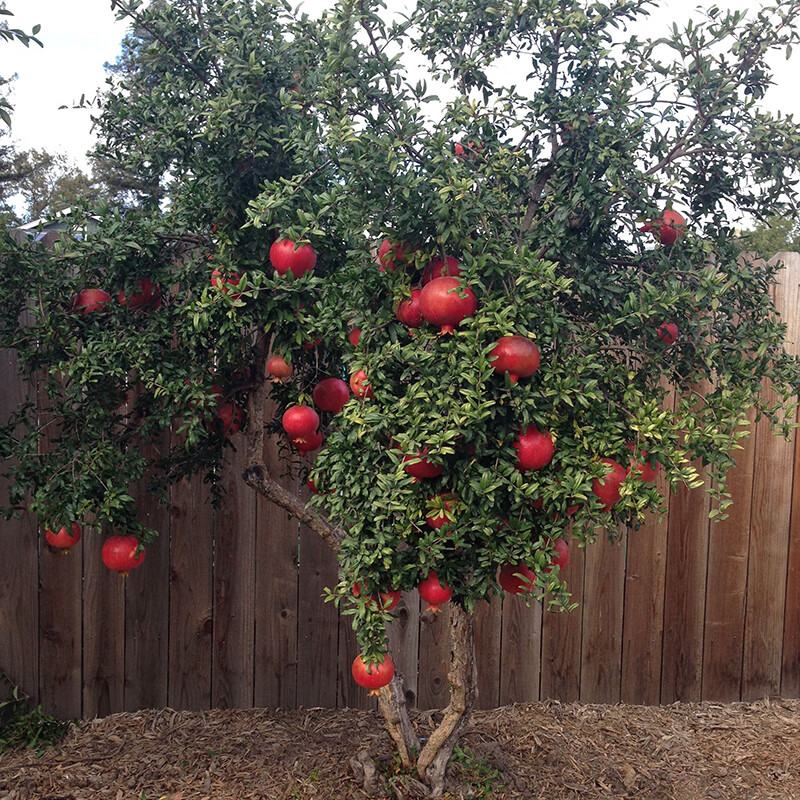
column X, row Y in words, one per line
column 544, row 750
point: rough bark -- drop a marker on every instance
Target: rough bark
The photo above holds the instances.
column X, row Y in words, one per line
column 392, row 702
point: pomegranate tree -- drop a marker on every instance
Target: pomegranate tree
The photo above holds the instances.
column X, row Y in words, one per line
column 420, row 301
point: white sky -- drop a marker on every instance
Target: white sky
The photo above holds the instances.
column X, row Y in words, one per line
column 79, row 36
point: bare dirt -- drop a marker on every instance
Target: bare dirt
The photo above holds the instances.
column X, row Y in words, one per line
column 545, row 750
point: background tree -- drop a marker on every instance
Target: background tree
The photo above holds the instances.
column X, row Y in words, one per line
column 257, row 128
column 775, row 235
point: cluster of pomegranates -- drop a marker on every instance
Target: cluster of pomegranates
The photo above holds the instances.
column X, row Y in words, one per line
column 146, row 297
column 119, row 553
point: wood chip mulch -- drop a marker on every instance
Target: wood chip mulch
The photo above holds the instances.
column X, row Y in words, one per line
column 546, row 750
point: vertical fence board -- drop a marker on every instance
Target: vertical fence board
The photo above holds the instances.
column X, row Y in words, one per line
column 19, row 561
column 488, row 627
column 790, row 675
column 684, row 596
column 601, row 651
column 726, row 584
column 276, row 594
column 643, row 624
column 769, row 538
column 318, row 622
column 521, row 651
column 190, row 603
column 103, row 632
column 147, row 609
column 434, row 658
column 234, row 588
column 561, row 637
column 404, row 643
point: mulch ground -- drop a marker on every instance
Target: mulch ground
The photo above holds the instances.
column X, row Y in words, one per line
column 545, row 750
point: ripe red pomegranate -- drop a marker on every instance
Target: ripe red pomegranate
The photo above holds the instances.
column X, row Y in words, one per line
column 437, row 268
column 645, row 466
column 230, row 419
column 285, row 256
column 446, row 302
column 300, row 422
column 516, row 578
column 88, row 300
column 354, row 336
column 359, row 385
column 147, row 296
column 373, row 676
column 534, row 449
column 422, row 468
column 606, row 489
column 667, row 332
column 279, row 369
column 561, row 558
column 64, row 538
column 330, row 394
column 119, row 554
column 307, row 444
column 226, row 283
column 391, row 254
column 437, row 517
column 408, row 312
column 433, row 592
column 386, row 600
column 668, row 228
column 517, row 356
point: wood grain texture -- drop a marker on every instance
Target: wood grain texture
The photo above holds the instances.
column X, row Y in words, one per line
column 190, row 607
column 403, row 635
column 562, row 637
column 434, row 657
column 790, row 674
column 521, row 651
column 684, row 595
column 488, row 629
column 603, row 602
column 234, row 588
column 277, row 578
column 726, row 585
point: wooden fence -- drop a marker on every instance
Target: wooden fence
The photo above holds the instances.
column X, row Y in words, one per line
column 226, row 610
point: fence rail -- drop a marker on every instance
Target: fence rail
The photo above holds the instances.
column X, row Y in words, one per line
column 226, row 610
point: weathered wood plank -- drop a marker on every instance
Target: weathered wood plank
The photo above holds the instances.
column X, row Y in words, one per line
column 404, row 643
column 488, row 630
column 521, row 651
column 726, row 585
column 434, row 657
column 603, row 602
column 790, row 675
column 190, row 609
column 234, row 588
column 561, row 637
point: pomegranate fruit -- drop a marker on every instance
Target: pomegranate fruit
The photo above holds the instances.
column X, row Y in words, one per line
column 516, row 579
column 606, row 489
column 285, row 256
column 434, row 592
column 561, row 558
column 668, row 228
column 147, row 296
column 386, row 600
column 230, row 419
column 307, row 444
column 87, row 301
column 279, row 369
column 330, row 394
column 439, row 268
column 517, row 356
column 391, row 254
column 359, row 385
column 299, row 422
column 408, row 312
column 421, row 468
column 646, row 468
column 64, row 538
column 667, row 332
column 446, row 302
column 373, row 676
column 354, row 336
column 534, row 448
column 119, row 554
column 438, row 517
column 226, row 283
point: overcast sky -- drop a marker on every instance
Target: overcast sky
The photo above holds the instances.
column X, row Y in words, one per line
column 79, row 36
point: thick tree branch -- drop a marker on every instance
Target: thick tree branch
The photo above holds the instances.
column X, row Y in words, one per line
column 392, row 702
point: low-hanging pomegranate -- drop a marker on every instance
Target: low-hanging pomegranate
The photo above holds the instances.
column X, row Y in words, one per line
column 391, row 254
column 667, row 332
column 561, row 558
column 358, row 383
column 446, row 302
column 408, row 310
column 373, row 676
column 286, row 257
column 64, row 538
column 439, row 268
column 119, row 554
column 516, row 578
column 517, row 356
column 230, row 418
column 147, row 296
column 534, row 448
column 225, row 283
column 279, row 369
column 421, row 467
column 308, row 443
column 330, row 394
column 606, row 489
column 87, row 301
column 434, row 592
column 300, row 422
column 438, row 517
